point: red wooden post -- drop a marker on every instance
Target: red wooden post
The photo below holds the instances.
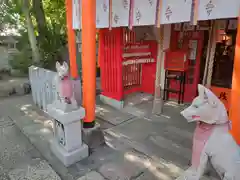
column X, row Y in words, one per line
column 235, row 94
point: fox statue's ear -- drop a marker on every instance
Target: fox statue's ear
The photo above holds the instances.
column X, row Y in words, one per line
column 65, row 65
column 212, row 98
column 58, row 65
column 208, row 95
column 201, row 91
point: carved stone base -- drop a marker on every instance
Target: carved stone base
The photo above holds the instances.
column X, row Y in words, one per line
column 69, row 158
column 67, row 144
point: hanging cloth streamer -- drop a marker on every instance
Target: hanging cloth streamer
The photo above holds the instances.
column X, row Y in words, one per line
column 131, row 10
column 158, row 13
column 110, row 14
column 194, row 12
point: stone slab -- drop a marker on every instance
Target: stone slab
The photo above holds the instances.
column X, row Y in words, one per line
column 12, row 85
column 93, row 175
column 39, row 170
column 36, row 127
column 93, row 137
column 111, row 115
column 137, row 98
column 19, row 159
column 157, row 138
column 23, row 89
column 143, row 110
column 127, row 166
column 4, row 122
column 159, row 174
column 111, row 102
column 160, row 158
column 137, row 133
column 69, row 158
column 15, row 149
column 155, row 175
column 161, row 147
column 13, row 143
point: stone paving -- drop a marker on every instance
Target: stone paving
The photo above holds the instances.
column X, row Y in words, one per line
column 19, row 160
column 139, row 148
column 93, row 175
column 112, row 115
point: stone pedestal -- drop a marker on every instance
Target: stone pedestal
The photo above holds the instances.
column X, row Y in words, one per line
column 67, row 144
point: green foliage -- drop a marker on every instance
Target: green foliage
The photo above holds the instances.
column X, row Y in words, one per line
column 11, row 15
column 50, row 48
column 55, row 13
column 21, row 61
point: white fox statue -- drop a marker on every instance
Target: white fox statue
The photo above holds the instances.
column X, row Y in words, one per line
column 212, row 142
column 65, row 100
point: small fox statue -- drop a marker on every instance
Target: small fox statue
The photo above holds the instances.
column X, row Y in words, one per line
column 65, row 86
column 212, row 142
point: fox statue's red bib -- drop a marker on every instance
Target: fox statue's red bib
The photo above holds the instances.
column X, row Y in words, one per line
column 212, row 142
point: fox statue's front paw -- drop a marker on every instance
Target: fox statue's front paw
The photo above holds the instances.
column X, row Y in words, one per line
column 67, row 100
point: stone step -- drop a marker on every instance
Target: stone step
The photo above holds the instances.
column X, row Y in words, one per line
column 14, row 86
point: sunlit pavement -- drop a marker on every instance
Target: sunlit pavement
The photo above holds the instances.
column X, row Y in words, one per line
column 18, row 158
column 140, row 147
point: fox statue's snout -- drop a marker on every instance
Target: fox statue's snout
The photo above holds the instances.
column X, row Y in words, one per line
column 206, row 107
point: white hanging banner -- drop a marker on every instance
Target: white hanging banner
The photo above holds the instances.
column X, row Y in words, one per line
column 102, row 13
column 120, row 13
column 175, row 11
column 218, row 9
column 144, row 12
column 76, row 14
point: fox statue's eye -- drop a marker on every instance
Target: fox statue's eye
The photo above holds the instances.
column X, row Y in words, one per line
column 214, row 104
column 194, row 105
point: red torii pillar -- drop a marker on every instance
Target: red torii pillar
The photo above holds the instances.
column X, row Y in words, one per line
column 235, row 93
column 89, row 60
column 71, row 40
column 88, row 56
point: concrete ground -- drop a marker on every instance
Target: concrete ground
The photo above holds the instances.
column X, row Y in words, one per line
column 139, row 145
column 19, row 159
